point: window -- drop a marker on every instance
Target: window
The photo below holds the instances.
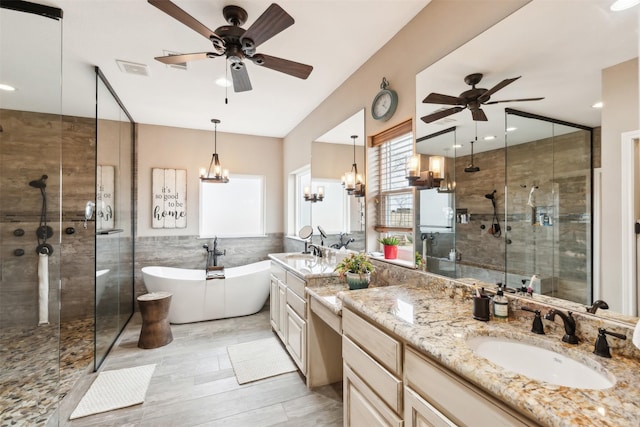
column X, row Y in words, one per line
column 235, row 209
column 388, row 158
column 333, row 212
column 299, row 210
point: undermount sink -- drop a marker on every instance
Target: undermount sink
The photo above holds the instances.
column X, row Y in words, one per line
column 300, row 256
column 541, row 364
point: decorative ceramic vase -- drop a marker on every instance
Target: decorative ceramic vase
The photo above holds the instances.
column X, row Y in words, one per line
column 390, row 251
column 357, row 280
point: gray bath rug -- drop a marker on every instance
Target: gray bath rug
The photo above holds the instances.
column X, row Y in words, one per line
column 260, row 359
column 114, row 390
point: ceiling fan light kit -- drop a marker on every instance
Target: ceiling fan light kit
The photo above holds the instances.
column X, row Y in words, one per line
column 472, row 99
column 236, row 43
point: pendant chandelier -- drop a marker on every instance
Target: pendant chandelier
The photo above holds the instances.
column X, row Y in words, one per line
column 215, row 174
column 352, row 181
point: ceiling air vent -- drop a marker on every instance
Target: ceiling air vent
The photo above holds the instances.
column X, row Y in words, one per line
column 133, row 68
column 445, row 121
column 180, row 65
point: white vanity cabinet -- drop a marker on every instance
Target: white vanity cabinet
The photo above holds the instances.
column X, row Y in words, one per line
column 435, row 396
column 372, row 374
column 289, row 313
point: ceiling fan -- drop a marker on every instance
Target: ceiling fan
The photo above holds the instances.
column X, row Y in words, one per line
column 236, row 43
column 472, row 99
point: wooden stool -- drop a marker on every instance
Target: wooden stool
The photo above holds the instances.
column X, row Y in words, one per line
column 156, row 331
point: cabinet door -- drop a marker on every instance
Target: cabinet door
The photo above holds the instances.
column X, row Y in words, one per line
column 362, row 408
column 419, row 413
column 273, row 305
column 282, row 311
column 296, row 338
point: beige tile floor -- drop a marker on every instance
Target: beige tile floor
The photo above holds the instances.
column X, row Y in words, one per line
column 194, row 383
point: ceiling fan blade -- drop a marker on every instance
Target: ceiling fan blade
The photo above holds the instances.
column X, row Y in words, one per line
column 441, row 114
column 438, row 98
column 179, row 59
column 478, row 115
column 175, row 12
column 485, row 96
column 513, row 100
column 271, row 22
column 286, row 66
column 240, row 77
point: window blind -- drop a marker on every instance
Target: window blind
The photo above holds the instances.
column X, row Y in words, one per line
column 388, row 159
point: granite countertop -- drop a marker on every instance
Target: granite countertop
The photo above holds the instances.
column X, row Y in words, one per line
column 437, row 321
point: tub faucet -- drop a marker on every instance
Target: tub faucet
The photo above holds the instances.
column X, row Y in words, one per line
column 343, row 243
column 569, row 325
column 213, row 254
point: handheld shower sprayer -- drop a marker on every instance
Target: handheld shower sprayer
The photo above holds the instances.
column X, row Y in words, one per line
column 39, row 183
column 491, row 196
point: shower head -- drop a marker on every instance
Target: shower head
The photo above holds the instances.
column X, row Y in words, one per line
column 39, row 183
column 472, row 168
column 490, row 196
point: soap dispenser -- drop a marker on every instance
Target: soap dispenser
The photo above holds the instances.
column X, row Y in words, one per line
column 500, row 304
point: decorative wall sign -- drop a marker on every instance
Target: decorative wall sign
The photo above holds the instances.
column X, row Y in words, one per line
column 169, row 198
column 105, row 197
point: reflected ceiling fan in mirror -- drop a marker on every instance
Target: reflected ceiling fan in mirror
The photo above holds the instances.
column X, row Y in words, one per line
column 472, row 99
column 236, row 43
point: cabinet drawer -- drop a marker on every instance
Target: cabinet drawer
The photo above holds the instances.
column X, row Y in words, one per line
column 296, row 284
column 387, row 386
column 445, row 392
column 362, row 407
column 298, row 304
column 329, row 317
column 278, row 272
column 382, row 347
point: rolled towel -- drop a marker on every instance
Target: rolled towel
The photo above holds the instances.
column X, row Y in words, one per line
column 636, row 335
column 43, row 289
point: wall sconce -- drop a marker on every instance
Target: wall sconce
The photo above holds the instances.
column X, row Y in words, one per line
column 446, row 185
column 215, row 173
column 425, row 179
column 352, row 181
column 313, row 197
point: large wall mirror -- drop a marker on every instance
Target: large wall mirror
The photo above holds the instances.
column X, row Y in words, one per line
column 524, row 195
column 341, row 214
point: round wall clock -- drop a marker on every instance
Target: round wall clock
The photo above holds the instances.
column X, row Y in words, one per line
column 385, row 102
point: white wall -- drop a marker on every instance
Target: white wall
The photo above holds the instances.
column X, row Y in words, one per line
column 620, row 95
column 190, row 149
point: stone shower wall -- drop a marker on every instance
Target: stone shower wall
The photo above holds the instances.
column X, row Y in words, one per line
column 32, row 145
column 559, row 166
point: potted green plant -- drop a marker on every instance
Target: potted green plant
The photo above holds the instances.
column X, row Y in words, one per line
column 421, row 263
column 390, row 245
column 357, row 269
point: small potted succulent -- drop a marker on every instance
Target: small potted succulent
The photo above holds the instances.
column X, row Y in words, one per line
column 390, row 247
column 357, row 269
column 421, row 263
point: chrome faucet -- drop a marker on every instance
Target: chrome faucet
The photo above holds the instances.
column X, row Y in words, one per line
column 569, row 325
column 596, row 305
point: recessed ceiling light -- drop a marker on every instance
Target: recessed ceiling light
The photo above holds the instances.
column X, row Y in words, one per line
column 619, row 5
column 133, row 68
column 223, row 82
column 6, row 87
column 457, row 146
column 599, row 103
column 489, row 137
column 511, row 128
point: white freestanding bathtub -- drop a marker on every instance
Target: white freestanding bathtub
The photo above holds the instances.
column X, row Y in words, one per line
column 243, row 291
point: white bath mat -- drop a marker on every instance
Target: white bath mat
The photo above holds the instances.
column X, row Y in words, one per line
column 260, row 359
column 115, row 389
